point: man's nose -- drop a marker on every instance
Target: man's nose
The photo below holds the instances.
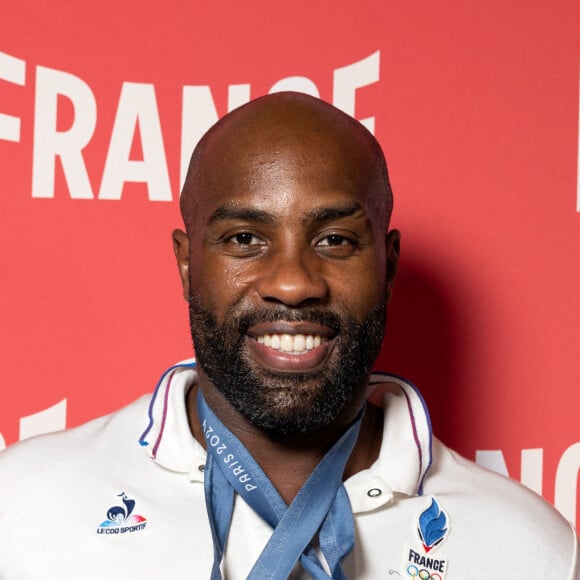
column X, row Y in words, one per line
column 293, row 279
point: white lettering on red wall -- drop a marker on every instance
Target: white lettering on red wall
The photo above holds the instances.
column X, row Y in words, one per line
column 137, row 114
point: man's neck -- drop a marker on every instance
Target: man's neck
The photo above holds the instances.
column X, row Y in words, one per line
column 288, row 461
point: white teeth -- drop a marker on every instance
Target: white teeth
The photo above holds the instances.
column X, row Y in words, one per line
column 286, row 343
column 292, row 344
column 299, row 343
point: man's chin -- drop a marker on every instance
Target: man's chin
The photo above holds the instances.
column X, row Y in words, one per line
column 290, row 403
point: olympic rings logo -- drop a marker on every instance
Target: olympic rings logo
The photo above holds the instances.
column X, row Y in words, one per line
column 422, row 574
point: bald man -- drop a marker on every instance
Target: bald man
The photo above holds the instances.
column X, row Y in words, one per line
column 277, row 453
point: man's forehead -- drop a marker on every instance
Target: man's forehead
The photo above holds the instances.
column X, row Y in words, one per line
column 284, row 144
column 275, row 196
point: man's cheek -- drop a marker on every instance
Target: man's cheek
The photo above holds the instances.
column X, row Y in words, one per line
column 203, row 292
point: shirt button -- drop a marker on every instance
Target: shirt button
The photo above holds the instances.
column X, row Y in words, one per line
column 201, row 468
column 374, row 492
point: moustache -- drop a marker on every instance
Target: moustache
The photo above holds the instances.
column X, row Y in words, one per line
column 246, row 320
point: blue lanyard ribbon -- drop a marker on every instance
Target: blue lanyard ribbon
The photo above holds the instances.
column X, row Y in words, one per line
column 322, row 504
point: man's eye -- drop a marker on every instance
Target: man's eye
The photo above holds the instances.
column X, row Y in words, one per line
column 246, row 239
column 337, row 246
column 334, row 240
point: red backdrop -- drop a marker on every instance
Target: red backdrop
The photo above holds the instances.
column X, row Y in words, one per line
column 476, row 106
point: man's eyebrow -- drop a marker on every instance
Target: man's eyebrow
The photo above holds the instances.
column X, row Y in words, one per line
column 326, row 214
column 234, row 212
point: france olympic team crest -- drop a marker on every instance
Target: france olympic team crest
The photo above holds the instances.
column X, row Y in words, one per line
column 121, row 519
column 420, row 563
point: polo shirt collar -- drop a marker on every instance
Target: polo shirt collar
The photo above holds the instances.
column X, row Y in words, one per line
column 167, row 438
column 405, row 454
column 403, row 462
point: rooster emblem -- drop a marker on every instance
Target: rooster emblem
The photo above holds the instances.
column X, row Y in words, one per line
column 118, row 515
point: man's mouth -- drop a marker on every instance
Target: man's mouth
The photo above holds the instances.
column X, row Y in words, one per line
column 293, row 344
column 291, row 347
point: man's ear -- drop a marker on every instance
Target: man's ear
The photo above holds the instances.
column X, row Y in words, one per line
column 181, row 250
column 393, row 250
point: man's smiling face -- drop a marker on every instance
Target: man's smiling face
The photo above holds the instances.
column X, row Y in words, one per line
column 289, row 266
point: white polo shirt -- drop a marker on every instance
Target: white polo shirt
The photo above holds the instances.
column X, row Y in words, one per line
column 94, row 503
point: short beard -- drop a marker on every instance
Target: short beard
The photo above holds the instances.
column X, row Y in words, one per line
column 281, row 403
